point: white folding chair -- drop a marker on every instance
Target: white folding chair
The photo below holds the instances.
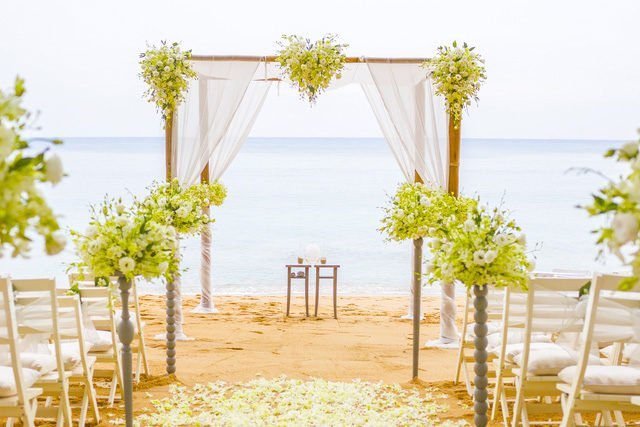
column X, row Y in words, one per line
column 22, row 402
column 612, row 316
column 38, row 315
column 81, row 380
column 551, row 308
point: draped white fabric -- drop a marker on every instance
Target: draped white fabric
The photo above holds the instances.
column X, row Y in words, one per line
column 222, row 106
column 220, row 110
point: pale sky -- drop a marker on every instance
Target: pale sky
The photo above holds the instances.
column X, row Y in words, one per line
column 556, row 69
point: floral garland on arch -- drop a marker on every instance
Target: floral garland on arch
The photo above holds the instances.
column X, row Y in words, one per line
column 123, row 240
column 418, row 210
column 171, row 204
column 619, row 202
column 311, row 65
column 166, row 70
column 458, row 73
column 486, row 248
column 23, row 208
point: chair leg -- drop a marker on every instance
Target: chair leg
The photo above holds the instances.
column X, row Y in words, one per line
column 505, row 408
column 113, row 389
column 306, row 295
column 517, row 406
column 497, row 393
column 64, row 403
column 138, row 365
column 619, row 418
column 93, row 400
column 9, row 422
column 84, row 408
column 119, row 373
column 143, row 352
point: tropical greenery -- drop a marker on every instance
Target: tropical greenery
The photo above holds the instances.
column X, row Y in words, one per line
column 487, row 248
column 122, row 239
column 418, row 210
column 166, row 70
column 619, row 203
column 458, row 73
column 170, row 203
column 24, row 212
column 311, row 65
column 284, row 402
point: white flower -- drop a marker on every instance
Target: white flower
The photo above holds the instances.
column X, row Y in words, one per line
column 625, row 227
column 163, row 266
column 532, row 264
column 162, row 202
column 490, row 256
column 120, row 208
column 630, row 149
column 91, row 231
column 182, row 212
column 435, row 243
column 126, row 265
column 56, row 243
column 428, row 267
column 122, row 221
column 469, row 225
column 522, row 239
column 53, row 169
column 479, row 258
column 425, row 201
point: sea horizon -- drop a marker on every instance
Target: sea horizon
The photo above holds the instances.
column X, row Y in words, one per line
column 287, row 192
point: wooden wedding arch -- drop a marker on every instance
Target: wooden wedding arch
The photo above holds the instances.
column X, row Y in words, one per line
column 452, row 186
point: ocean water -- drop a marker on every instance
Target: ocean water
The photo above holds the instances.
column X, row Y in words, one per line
column 284, row 193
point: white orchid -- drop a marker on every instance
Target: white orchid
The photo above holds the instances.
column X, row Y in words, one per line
column 53, row 169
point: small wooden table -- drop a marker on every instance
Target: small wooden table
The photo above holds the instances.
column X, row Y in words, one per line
column 334, row 276
column 307, row 268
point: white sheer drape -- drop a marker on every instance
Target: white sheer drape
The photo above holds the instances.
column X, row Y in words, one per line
column 220, row 110
column 414, row 123
column 222, row 106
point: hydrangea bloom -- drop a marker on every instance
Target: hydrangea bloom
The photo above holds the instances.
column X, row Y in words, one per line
column 123, row 240
column 287, row 402
column 182, row 208
column 619, row 201
column 311, row 65
column 166, row 70
column 458, row 73
column 23, row 208
column 486, row 248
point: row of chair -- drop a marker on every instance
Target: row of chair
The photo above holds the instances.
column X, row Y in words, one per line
column 57, row 345
column 557, row 350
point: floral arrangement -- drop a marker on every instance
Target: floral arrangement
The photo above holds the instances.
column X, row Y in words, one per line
column 284, row 402
column 486, row 248
column 311, row 65
column 619, row 202
column 458, row 73
column 418, row 210
column 166, row 70
column 123, row 240
column 182, row 208
column 22, row 206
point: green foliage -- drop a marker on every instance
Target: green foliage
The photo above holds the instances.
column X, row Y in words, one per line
column 619, row 203
column 311, row 65
column 181, row 207
column 458, row 73
column 123, row 240
column 23, row 209
column 486, row 248
column 166, row 70
column 418, row 210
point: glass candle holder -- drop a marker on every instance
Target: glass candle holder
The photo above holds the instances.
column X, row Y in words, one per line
column 300, row 260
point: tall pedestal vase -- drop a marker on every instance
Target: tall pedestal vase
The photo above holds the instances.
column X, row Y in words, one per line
column 171, row 328
column 126, row 333
column 480, row 355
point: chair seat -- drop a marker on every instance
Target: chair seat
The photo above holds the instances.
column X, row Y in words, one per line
column 550, row 361
column 78, row 371
column 12, row 401
column 52, row 377
column 612, row 380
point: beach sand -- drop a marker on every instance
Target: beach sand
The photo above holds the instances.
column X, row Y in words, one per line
column 251, row 337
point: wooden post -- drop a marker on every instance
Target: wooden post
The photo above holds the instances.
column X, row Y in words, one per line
column 454, row 156
column 168, row 145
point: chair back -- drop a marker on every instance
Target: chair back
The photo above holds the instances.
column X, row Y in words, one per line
column 9, row 337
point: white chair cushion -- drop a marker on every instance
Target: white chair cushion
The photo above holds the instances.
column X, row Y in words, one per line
column 551, row 361
column 70, row 354
column 102, row 341
column 514, row 336
column 512, row 350
column 606, row 379
column 43, row 363
column 8, row 382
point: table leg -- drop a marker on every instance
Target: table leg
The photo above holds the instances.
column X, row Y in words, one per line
column 317, row 290
column 306, row 291
column 288, row 290
column 335, row 293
